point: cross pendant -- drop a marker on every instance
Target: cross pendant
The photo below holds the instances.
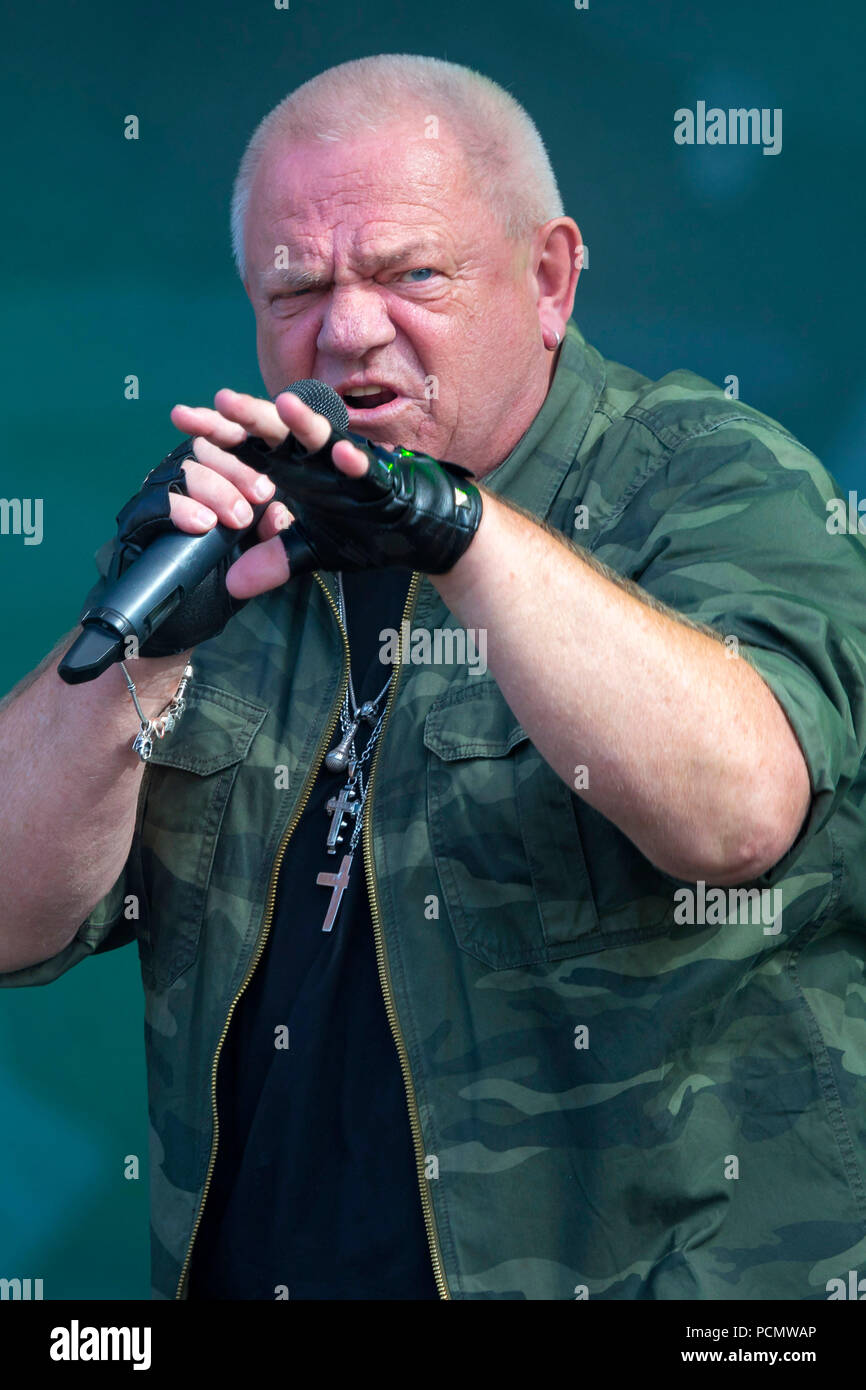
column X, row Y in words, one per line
column 338, row 807
column 338, row 883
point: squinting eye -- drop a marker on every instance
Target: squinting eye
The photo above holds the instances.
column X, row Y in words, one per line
column 417, row 276
column 292, row 294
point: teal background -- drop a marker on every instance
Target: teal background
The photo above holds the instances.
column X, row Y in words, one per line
column 117, row 261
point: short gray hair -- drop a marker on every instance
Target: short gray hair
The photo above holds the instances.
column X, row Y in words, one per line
column 500, row 142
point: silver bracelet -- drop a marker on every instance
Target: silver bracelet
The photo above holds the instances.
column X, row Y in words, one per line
column 164, row 722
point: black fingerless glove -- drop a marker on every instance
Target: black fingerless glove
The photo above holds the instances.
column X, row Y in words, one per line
column 407, row 512
column 205, row 611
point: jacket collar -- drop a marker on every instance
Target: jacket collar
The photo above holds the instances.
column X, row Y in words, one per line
column 533, row 472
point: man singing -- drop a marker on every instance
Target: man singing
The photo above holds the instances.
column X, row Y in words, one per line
column 538, row 978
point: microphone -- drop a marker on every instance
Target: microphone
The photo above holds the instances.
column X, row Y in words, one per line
column 137, row 603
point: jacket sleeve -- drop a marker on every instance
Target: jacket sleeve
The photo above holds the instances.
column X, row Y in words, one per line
column 104, row 929
column 736, row 531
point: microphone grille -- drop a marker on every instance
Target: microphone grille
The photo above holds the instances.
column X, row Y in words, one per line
column 323, row 400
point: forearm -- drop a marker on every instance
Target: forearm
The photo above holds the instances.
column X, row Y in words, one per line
column 687, row 751
column 70, row 788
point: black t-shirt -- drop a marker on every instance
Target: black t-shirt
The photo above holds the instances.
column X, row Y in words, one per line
column 315, row 1186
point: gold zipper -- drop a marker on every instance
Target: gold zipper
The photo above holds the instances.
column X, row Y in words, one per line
column 266, row 922
column 385, row 974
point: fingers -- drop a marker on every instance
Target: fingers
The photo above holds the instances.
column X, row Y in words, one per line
column 227, row 488
column 314, row 431
column 240, row 478
column 223, row 489
column 311, row 429
column 260, row 568
column 277, row 518
column 256, row 416
column 236, row 415
column 199, row 419
column 212, row 497
column 349, row 459
column 188, row 515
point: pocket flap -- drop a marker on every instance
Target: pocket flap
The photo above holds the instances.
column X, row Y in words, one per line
column 215, row 730
column 472, row 722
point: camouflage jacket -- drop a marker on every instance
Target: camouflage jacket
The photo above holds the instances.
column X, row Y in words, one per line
column 620, row 1086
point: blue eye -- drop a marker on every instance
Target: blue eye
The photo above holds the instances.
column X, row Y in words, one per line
column 418, row 276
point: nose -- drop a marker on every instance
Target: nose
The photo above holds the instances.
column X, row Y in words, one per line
column 355, row 321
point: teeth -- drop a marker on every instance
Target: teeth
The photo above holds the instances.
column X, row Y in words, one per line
column 366, row 391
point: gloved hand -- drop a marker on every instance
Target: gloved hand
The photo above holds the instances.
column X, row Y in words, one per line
column 407, row 512
column 208, row 607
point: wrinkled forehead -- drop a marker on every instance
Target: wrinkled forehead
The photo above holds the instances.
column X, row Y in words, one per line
column 306, row 191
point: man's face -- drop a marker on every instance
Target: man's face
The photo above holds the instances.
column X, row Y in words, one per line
column 401, row 284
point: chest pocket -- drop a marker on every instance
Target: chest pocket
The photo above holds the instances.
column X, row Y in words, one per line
column 504, row 835
column 188, row 784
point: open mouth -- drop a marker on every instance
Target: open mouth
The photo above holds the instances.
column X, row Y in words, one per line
column 368, row 397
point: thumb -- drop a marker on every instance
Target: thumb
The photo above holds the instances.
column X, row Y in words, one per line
column 264, row 566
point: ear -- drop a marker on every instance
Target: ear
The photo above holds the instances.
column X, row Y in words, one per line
column 557, row 258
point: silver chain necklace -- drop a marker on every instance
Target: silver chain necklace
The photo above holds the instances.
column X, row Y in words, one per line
column 352, row 797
